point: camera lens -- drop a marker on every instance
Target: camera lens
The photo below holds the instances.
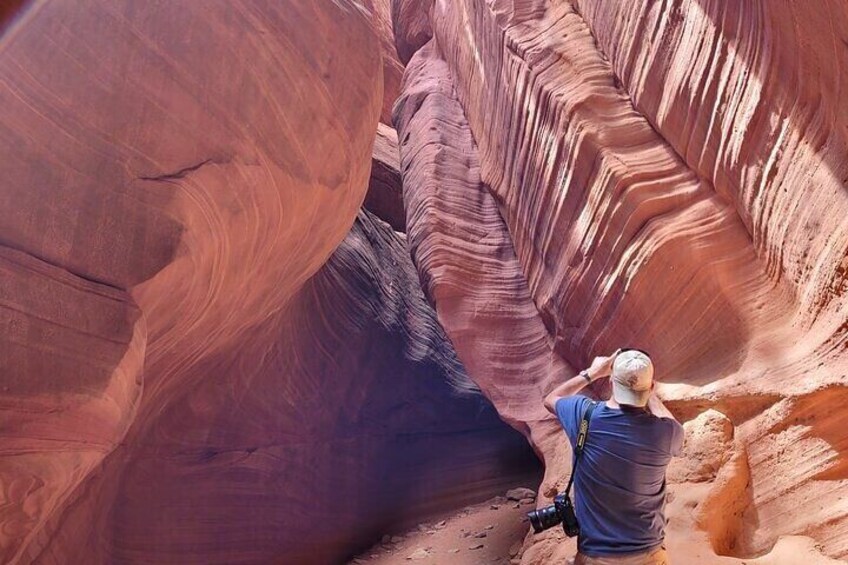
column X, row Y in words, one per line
column 544, row 518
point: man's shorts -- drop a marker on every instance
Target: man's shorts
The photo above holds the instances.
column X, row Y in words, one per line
column 657, row 556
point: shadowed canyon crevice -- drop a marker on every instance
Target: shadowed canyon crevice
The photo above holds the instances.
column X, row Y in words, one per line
column 279, row 278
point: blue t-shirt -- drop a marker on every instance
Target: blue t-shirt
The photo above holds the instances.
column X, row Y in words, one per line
column 619, row 488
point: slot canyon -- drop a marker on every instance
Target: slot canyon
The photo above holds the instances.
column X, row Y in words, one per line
column 288, row 281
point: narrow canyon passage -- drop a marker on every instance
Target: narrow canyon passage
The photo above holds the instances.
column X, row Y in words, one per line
column 287, row 282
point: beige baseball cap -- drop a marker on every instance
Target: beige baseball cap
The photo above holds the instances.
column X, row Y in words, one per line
column 632, row 377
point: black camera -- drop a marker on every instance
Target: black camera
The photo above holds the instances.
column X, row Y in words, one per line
column 560, row 511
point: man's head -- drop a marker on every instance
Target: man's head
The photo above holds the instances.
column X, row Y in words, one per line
column 632, row 378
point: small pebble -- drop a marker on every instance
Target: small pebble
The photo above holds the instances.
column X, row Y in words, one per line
column 520, row 493
column 454, row 550
column 478, row 546
column 419, row 553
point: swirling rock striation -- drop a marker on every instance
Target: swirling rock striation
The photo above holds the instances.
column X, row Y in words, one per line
column 457, row 235
column 341, row 417
column 655, row 176
column 71, row 360
column 155, row 212
column 186, row 377
column 465, row 258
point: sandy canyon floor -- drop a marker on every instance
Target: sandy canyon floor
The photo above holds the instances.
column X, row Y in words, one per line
column 493, row 531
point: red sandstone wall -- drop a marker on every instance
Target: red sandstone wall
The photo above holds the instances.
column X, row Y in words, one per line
column 159, row 201
column 668, row 177
column 577, row 176
column 202, row 362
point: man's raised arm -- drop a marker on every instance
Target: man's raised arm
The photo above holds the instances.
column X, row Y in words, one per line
column 601, row 367
column 570, row 387
column 658, row 409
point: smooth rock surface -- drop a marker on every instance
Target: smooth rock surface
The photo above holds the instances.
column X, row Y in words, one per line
column 163, row 175
column 381, row 18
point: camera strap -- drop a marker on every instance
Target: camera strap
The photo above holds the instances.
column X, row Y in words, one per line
column 582, row 434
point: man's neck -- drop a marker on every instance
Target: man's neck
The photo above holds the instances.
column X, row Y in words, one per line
column 611, row 403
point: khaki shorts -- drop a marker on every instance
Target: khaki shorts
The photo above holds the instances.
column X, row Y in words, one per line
column 656, row 556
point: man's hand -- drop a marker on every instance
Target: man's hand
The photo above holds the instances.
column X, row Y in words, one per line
column 602, row 366
column 657, row 408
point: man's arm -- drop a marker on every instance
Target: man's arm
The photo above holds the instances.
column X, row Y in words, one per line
column 658, row 409
column 570, row 387
column 601, row 367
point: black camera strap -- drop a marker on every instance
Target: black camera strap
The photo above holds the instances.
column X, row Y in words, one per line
column 582, row 434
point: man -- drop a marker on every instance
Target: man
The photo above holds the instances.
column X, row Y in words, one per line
column 619, row 486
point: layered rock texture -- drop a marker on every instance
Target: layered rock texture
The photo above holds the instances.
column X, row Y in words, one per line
column 211, row 354
column 669, row 176
column 186, row 378
column 134, row 268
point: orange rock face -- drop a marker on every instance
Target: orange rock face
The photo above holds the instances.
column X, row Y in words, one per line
column 201, row 361
column 209, row 353
column 665, row 180
column 381, row 18
column 129, row 262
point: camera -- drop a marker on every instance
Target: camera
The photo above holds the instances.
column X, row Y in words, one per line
column 560, row 511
